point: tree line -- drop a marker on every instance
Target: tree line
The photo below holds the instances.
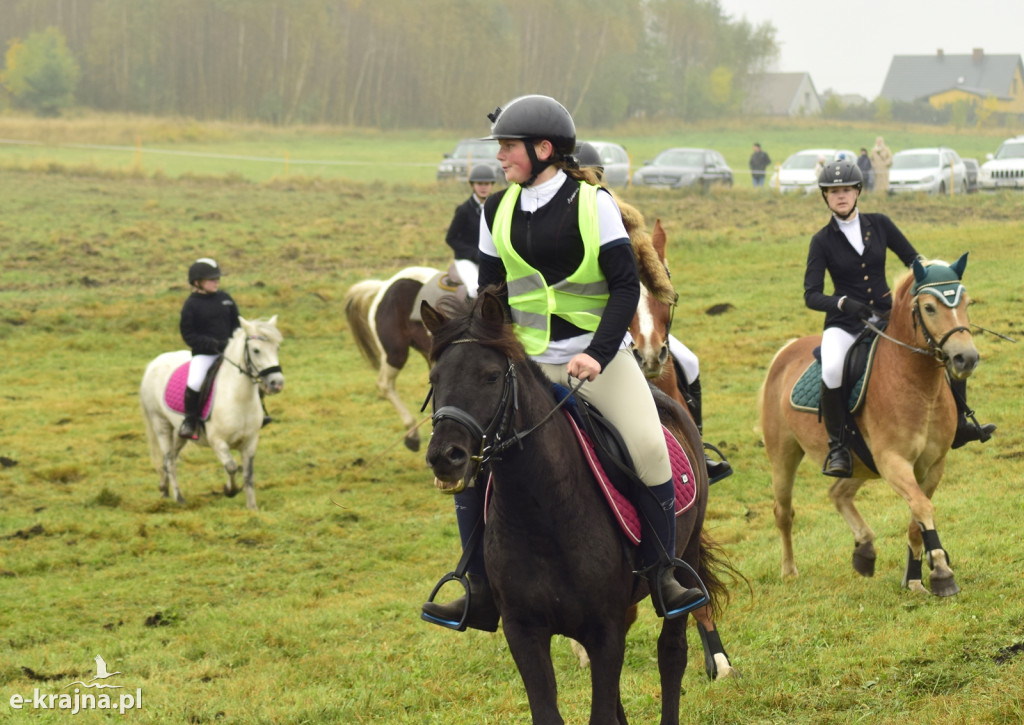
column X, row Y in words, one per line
column 394, row 63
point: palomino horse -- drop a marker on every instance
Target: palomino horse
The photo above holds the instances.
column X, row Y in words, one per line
column 380, row 316
column 236, row 415
column 908, row 419
column 556, row 560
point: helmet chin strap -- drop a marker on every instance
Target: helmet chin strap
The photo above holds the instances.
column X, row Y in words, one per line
column 536, row 165
column 849, row 214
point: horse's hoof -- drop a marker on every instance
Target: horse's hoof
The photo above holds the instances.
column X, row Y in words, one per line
column 180, row 499
column 230, row 491
column 412, row 443
column 944, row 586
column 915, row 586
column 864, row 559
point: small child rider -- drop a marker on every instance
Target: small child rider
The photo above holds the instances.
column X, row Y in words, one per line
column 209, row 318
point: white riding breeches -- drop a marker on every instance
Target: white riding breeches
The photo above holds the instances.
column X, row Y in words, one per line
column 835, row 342
column 197, row 370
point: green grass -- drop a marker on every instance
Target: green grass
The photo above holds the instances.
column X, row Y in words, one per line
column 146, row 146
column 307, row 611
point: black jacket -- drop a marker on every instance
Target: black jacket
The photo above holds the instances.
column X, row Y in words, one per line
column 759, row 161
column 208, row 322
column 858, row 277
column 464, row 231
column 550, row 240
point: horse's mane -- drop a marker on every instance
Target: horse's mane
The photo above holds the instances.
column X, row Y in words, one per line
column 653, row 274
column 466, row 320
column 266, row 329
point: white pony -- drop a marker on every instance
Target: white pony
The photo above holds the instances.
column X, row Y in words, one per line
column 250, row 363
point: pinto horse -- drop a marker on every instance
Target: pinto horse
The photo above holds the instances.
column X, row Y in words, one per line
column 379, row 315
column 908, row 419
column 557, row 562
column 653, row 320
column 250, row 363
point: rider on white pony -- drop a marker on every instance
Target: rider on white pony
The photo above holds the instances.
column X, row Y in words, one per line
column 208, row 319
column 464, row 231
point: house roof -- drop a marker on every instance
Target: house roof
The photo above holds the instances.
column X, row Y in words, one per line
column 774, row 93
column 915, row 77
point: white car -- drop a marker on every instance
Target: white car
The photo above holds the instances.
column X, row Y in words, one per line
column 1005, row 169
column 800, row 171
column 934, row 170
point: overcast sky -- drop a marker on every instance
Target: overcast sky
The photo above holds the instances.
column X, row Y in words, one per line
column 847, row 46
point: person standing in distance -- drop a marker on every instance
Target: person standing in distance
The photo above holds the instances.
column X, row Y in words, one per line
column 464, row 230
column 759, row 161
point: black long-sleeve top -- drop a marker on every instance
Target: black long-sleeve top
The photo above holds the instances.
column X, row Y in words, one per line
column 208, row 322
column 464, row 231
column 859, row 277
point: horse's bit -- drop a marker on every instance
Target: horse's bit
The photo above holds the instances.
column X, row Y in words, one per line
column 250, row 371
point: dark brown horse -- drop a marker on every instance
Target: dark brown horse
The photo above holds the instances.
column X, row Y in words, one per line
column 908, row 419
column 379, row 314
column 556, row 560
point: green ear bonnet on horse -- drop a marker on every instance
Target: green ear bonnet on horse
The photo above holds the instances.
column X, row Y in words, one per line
column 940, row 280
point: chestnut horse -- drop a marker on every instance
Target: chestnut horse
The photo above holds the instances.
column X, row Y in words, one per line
column 556, row 560
column 907, row 420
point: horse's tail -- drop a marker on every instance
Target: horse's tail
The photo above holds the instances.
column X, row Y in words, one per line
column 717, row 572
column 358, row 301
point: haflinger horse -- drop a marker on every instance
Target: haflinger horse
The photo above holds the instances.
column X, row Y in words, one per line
column 556, row 560
column 250, row 363
column 908, row 419
column 381, row 315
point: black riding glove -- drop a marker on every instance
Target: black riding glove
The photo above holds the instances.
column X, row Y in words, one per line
column 855, row 308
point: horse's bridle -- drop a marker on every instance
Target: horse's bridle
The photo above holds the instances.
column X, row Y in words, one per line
column 934, row 349
column 499, row 435
column 250, row 371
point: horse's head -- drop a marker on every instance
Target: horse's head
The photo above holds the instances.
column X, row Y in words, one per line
column 938, row 309
column 262, row 340
column 653, row 318
column 473, row 383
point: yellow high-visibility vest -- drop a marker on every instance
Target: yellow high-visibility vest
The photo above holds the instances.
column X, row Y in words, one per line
column 580, row 298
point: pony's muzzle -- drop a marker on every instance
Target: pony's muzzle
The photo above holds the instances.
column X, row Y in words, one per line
column 962, row 364
column 448, row 461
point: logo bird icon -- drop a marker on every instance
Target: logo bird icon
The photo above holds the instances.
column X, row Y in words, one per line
column 101, row 670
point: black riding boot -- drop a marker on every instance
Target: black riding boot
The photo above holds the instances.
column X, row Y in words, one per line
column 483, row 612
column 190, row 426
column 833, row 412
column 717, row 470
column 656, row 507
column 967, row 430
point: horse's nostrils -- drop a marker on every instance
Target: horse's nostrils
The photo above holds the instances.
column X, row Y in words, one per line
column 963, row 365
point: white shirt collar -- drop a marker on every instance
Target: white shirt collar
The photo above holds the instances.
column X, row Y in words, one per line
column 532, row 198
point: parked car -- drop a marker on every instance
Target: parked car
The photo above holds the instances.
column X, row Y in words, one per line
column 469, row 152
column 679, row 167
column 798, row 172
column 616, row 162
column 1005, row 169
column 972, row 174
column 933, row 170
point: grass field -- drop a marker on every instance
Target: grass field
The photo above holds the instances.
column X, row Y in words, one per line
column 176, row 147
column 307, row 611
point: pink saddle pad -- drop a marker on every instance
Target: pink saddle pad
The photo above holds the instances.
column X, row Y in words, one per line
column 622, row 509
column 174, row 393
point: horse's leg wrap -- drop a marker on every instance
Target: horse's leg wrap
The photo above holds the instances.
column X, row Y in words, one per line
column 913, row 570
column 931, row 543
column 712, row 645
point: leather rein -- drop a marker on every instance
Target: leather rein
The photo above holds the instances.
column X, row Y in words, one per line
column 495, row 438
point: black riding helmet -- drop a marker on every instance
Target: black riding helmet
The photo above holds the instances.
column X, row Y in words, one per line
column 535, row 118
column 840, row 173
column 482, row 174
column 203, row 268
column 588, row 157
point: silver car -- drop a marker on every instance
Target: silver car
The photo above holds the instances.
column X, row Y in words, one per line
column 934, row 170
column 468, row 153
column 680, row 167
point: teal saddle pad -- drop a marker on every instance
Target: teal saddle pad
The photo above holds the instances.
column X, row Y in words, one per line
column 806, row 394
